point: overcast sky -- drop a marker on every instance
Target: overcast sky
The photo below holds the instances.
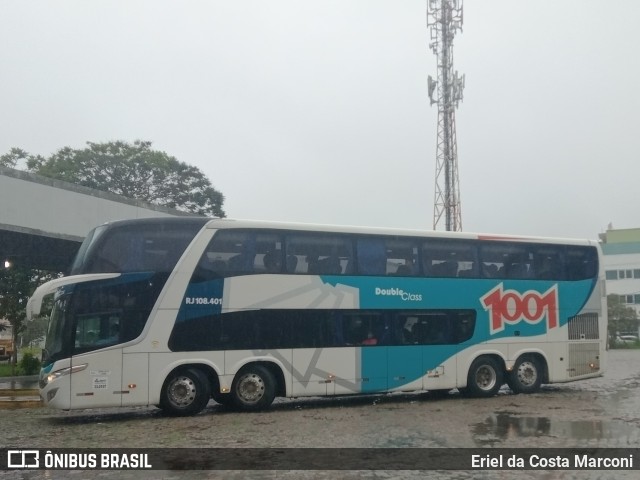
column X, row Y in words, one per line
column 317, row 111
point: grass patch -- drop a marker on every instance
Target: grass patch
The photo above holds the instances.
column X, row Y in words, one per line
column 6, row 370
column 628, row 345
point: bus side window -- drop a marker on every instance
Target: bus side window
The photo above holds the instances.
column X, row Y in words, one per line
column 548, row 263
column 209, row 268
column 506, row 260
column 420, row 331
column 372, row 256
column 402, row 257
column 319, row 254
column 405, row 329
column 444, row 269
column 328, row 266
column 490, row 270
column 581, row 263
column 518, row 269
column 448, row 259
column 354, row 329
column 241, row 263
column 463, row 327
column 238, row 252
column 272, row 261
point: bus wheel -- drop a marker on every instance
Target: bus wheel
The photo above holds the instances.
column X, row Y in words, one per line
column 526, row 376
column 485, row 378
column 185, row 392
column 253, row 388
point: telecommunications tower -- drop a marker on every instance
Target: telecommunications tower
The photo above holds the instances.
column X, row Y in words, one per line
column 444, row 18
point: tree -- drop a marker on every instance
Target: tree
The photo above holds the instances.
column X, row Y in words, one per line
column 13, row 158
column 133, row 170
column 622, row 319
column 17, row 284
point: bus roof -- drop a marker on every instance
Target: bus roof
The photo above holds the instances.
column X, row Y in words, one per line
column 222, row 223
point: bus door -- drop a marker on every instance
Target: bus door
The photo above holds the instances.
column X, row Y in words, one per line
column 98, row 384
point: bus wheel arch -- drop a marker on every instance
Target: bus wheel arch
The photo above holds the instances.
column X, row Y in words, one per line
column 186, row 391
column 528, row 374
column 485, row 376
column 256, row 385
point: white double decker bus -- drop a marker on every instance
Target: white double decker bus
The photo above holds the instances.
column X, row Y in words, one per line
column 174, row 312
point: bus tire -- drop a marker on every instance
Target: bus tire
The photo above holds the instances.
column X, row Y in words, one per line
column 485, row 378
column 526, row 376
column 253, row 388
column 185, row 392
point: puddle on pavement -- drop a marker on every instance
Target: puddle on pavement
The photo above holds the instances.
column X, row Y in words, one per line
column 502, row 427
column 21, row 392
column 7, row 383
column 12, row 402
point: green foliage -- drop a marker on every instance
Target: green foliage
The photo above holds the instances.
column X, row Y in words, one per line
column 29, row 364
column 133, row 170
column 13, row 158
column 625, row 344
column 17, row 284
column 15, row 288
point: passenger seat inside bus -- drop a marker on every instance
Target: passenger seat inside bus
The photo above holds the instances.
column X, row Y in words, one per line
column 328, row 266
column 292, row 263
column 241, row 263
column 444, row 269
column 404, row 270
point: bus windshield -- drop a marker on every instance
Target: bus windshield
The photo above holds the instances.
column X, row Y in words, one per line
column 93, row 315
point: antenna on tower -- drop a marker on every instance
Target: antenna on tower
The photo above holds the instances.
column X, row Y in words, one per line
column 444, row 18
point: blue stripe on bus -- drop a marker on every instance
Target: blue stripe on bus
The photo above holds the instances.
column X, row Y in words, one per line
column 202, row 299
column 378, row 363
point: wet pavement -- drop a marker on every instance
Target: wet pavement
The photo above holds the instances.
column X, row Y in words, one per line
column 26, row 382
column 597, row 413
column 19, row 392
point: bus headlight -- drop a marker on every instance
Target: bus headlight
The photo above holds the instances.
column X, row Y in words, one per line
column 50, row 377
